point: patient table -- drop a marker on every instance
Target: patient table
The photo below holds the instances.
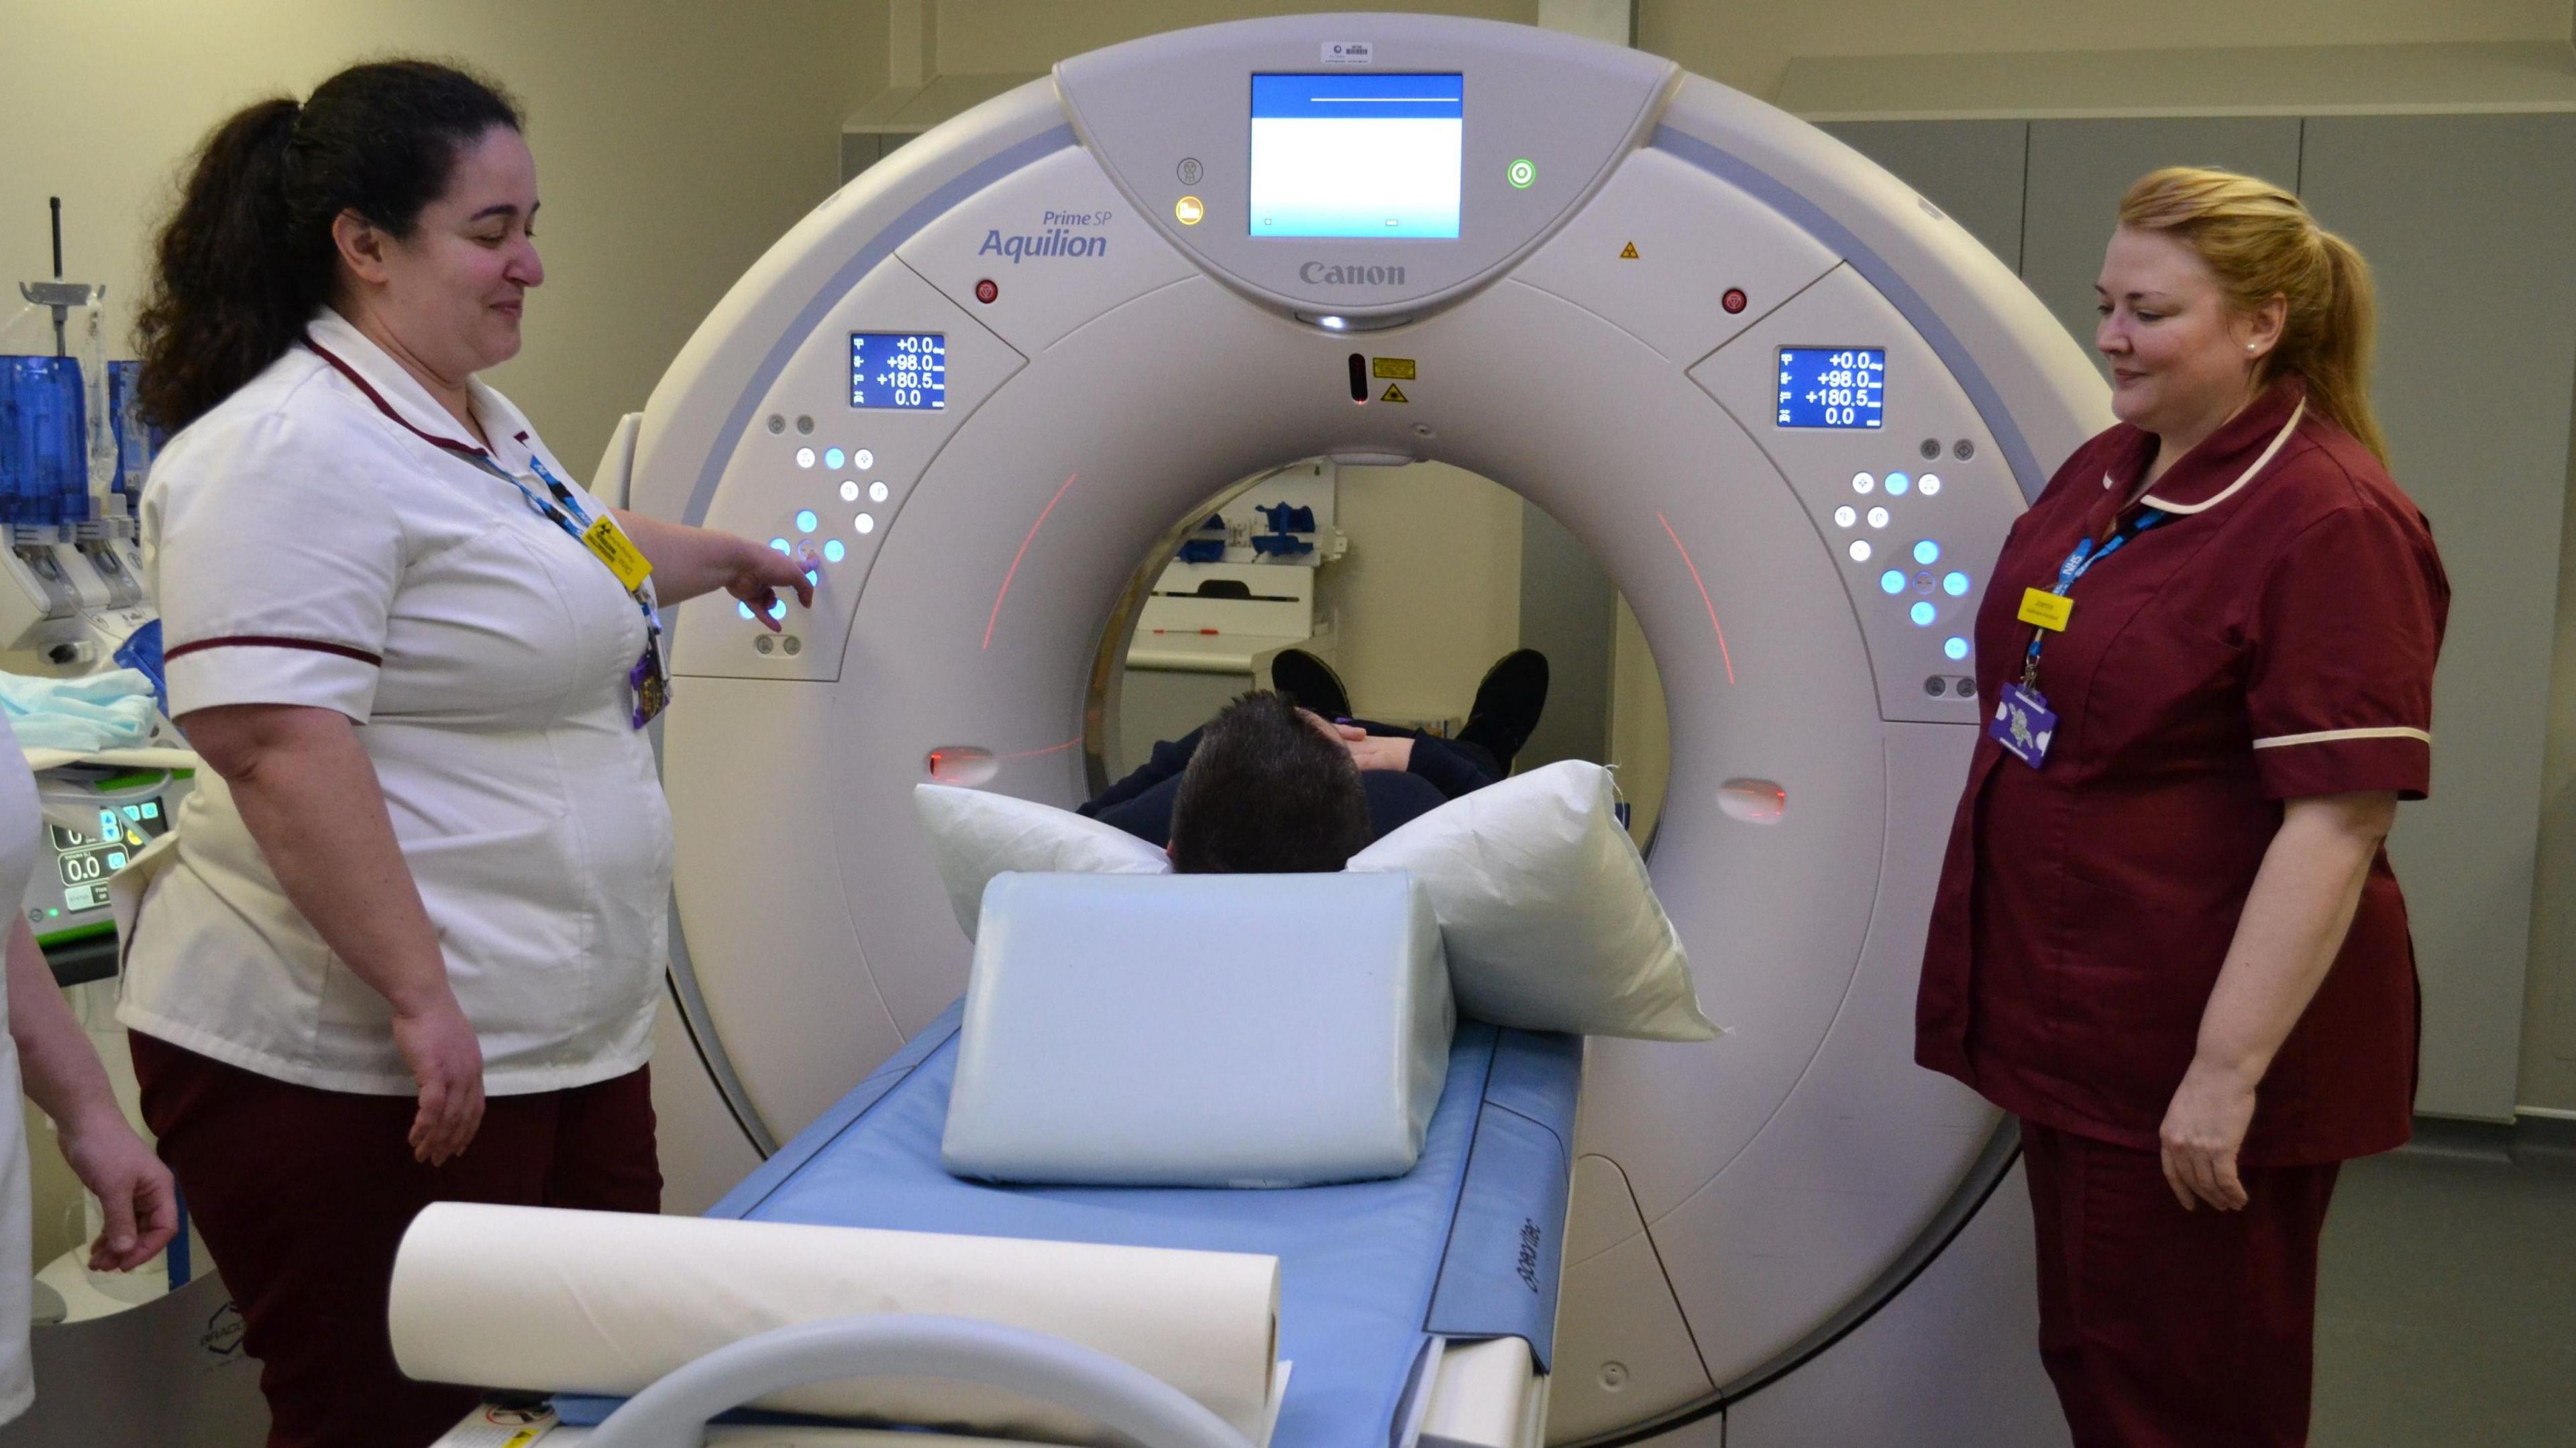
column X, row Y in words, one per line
column 1417, row 1310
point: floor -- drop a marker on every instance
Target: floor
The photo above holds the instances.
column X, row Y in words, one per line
column 2447, row 1300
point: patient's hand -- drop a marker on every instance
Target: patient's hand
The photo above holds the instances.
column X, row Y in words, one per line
column 1380, row 752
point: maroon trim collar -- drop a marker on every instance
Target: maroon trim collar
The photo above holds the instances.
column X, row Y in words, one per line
column 378, row 398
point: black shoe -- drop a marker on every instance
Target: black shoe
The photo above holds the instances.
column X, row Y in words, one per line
column 1310, row 682
column 1508, row 705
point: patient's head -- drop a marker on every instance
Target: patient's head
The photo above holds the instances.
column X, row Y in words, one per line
column 1269, row 792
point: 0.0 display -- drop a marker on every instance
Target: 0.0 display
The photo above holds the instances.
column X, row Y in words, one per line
column 907, row 371
column 84, row 861
column 1832, row 387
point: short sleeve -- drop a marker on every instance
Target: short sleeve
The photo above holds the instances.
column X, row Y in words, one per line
column 2349, row 626
column 274, row 562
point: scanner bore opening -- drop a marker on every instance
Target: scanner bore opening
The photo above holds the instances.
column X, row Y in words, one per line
column 1425, row 585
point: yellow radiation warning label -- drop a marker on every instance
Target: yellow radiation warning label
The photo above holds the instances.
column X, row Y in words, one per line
column 1398, row 367
column 1628, row 252
column 1394, row 394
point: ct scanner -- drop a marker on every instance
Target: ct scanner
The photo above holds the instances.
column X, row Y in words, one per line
column 1791, row 406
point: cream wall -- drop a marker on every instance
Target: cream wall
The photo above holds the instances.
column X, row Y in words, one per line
column 674, row 142
column 1430, row 593
column 1749, row 43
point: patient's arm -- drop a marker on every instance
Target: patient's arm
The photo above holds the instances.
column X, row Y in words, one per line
column 1169, row 758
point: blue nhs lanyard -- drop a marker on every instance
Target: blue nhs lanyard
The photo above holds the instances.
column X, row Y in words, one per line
column 2077, row 564
column 565, row 512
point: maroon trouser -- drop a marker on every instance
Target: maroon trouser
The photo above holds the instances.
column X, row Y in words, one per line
column 2171, row 1329
column 303, row 1195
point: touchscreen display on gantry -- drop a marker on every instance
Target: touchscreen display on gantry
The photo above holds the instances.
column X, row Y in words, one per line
column 1357, row 155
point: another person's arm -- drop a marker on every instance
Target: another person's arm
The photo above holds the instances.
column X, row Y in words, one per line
column 310, row 798
column 65, row 1080
column 690, row 561
column 2294, row 924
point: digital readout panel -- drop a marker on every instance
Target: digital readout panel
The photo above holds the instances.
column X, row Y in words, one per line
column 906, row 370
column 1832, row 387
column 1357, row 155
column 84, row 861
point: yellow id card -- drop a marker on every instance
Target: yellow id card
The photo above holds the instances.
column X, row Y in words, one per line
column 2048, row 610
column 610, row 545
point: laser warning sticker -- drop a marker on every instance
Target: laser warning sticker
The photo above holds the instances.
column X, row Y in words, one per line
column 1628, row 252
column 1395, row 367
column 1394, row 394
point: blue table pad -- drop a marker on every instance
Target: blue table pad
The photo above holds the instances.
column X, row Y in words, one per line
column 1467, row 1245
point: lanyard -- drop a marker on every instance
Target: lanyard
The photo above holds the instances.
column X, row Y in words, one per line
column 2077, row 564
column 554, row 512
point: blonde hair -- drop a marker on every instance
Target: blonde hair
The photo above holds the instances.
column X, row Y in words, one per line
column 2262, row 243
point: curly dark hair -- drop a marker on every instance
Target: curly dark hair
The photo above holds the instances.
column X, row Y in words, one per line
column 1267, row 794
column 247, row 257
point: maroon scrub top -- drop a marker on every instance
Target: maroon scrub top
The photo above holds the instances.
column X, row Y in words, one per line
column 2273, row 638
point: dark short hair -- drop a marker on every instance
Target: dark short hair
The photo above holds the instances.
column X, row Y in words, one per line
column 247, row 258
column 1267, row 794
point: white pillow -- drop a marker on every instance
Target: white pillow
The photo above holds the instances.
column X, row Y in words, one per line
column 975, row 836
column 1543, row 900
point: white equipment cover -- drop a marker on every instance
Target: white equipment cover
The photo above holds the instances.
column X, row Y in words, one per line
column 608, row 1302
column 1200, row 1030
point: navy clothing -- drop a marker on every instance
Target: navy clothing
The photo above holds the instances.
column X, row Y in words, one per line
column 1441, row 770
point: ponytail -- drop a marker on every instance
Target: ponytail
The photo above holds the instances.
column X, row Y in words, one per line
column 2260, row 242
column 247, row 257
column 2337, row 362
column 230, row 290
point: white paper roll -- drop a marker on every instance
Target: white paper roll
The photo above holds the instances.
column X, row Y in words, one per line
column 607, row 1302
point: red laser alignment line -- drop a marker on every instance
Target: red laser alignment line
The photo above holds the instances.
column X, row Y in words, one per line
column 1723, row 656
column 1023, row 553
column 1050, row 749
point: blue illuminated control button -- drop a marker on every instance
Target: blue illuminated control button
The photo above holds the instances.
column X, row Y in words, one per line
column 1956, row 648
column 777, row 545
column 806, row 522
column 832, row 458
column 745, row 610
column 1955, row 585
column 1923, row 615
column 1927, row 552
column 833, row 552
column 778, row 609
column 1892, row 581
column 1898, row 484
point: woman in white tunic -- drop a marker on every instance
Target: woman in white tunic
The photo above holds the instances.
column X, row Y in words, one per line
column 49, row 1049
column 420, row 906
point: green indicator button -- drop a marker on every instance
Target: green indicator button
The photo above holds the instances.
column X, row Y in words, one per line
column 1522, row 174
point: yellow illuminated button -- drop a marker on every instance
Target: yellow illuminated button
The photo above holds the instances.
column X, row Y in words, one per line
column 1190, row 210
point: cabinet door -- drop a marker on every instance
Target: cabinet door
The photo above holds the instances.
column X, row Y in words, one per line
column 2469, row 223
column 2079, row 170
column 1971, row 169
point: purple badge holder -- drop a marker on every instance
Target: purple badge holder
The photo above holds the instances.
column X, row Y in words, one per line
column 2023, row 724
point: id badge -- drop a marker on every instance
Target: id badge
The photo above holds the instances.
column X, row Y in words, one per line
column 609, row 544
column 648, row 683
column 2023, row 724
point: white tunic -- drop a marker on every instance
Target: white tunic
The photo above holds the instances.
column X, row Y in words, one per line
column 20, row 825
column 306, row 547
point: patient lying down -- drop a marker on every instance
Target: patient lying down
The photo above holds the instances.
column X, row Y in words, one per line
column 1270, row 786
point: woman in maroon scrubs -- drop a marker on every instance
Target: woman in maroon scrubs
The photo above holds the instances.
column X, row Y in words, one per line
column 2167, row 936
